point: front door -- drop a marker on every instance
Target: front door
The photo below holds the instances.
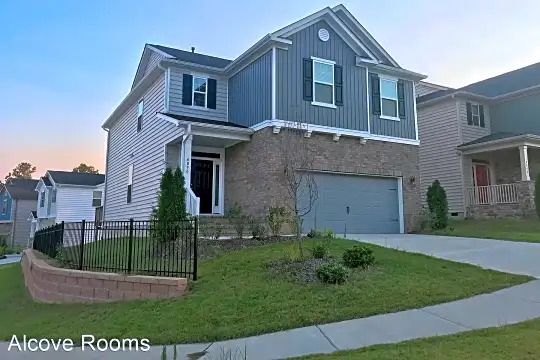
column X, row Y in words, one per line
column 201, row 183
column 481, row 183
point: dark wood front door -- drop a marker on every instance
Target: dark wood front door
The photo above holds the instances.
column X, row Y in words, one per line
column 201, row 183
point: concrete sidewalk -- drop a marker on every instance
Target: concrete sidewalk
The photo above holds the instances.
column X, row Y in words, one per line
column 10, row 259
column 504, row 307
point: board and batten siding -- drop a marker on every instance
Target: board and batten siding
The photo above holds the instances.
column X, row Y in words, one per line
column 175, row 97
column 145, row 150
column 439, row 160
column 472, row 132
column 250, row 92
column 519, row 115
column 75, row 204
column 403, row 128
column 290, row 103
column 21, row 225
column 423, row 88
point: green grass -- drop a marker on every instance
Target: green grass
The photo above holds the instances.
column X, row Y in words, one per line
column 234, row 298
column 527, row 230
column 521, row 341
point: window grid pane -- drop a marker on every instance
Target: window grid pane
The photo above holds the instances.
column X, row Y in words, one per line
column 389, row 107
column 389, row 89
column 324, row 93
column 323, row 73
column 199, row 85
column 199, row 99
column 475, row 110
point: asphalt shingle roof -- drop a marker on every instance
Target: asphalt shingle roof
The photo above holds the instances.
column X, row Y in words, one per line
column 22, row 189
column 492, row 137
column 193, row 57
column 46, row 181
column 204, row 121
column 73, row 178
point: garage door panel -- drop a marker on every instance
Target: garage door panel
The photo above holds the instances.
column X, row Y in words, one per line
column 372, row 203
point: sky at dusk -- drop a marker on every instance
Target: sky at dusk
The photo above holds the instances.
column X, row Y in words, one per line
column 65, row 65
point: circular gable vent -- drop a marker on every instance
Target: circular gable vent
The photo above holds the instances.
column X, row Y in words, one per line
column 324, row 35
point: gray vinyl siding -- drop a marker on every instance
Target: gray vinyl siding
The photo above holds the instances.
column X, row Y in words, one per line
column 145, row 150
column 471, row 132
column 404, row 128
column 439, row 137
column 424, row 89
column 153, row 61
column 250, row 92
column 520, row 115
column 21, row 225
column 290, row 104
column 175, row 98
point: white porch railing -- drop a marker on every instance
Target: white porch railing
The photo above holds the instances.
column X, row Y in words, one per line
column 193, row 203
column 492, row 194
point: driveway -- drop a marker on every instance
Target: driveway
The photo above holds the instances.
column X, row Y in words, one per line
column 507, row 256
column 10, row 259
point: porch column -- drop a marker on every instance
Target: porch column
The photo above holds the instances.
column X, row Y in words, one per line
column 186, row 155
column 524, row 160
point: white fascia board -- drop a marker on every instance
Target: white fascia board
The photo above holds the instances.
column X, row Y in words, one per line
column 399, row 72
column 511, row 142
column 160, row 51
column 225, row 128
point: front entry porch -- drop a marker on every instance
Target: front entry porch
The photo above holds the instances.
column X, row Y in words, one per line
column 200, row 153
column 499, row 178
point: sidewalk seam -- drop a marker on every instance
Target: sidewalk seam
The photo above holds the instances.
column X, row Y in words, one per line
column 327, row 338
column 453, row 322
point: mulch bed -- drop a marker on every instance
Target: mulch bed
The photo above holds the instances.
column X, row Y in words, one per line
column 208, row 248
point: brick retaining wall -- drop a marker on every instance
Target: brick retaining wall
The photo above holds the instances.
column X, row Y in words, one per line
column 523, row 208
column 55, row 285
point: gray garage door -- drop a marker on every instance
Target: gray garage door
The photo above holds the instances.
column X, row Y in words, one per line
column 354, row 205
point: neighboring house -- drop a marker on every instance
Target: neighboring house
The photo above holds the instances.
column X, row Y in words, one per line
column 17, row 199
column 221, row 122
column 482, row 143
column 69, row 197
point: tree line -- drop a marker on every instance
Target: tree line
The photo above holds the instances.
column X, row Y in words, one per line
column 26, row 170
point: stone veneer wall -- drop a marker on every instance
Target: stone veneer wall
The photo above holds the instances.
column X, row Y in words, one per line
column 254, row 171
column 55, row 285
column 522, row 209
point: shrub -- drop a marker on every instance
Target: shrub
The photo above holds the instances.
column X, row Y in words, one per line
column 2, row 251
column 277, row 215
column 314, row 233
column 329, row 234
column 319, row 251
column 218, row 227
column 332, row 273
column 537, row 194
column 437, row 205
column 238, row 219
column 62, row 256
column 258, row 231
column 358, row 256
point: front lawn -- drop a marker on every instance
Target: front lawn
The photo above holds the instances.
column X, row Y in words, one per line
column 527, row 230
column 235, row 297
column 521, row 341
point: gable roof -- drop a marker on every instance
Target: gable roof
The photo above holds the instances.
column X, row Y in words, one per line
column 500, row 85
column 22, row 189
column 193, row 57
column 74, row 178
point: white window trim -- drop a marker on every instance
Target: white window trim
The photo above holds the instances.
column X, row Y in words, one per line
column 193, row 91
column 394, row 80
column 54, row 194
column 333, row 84
column 100, row 197
column 473, row 115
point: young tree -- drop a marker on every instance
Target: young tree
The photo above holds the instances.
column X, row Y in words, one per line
column 301, row 190
column 437, row 205
column 83, row 168
column 24, row 170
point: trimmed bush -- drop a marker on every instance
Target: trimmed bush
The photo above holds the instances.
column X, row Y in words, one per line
column 332, row 273
column 537, row 194
column 358, row 256
column 437, row 206
column 277, row 215
column 258, row 231
column 319, row 251
column 238, row 219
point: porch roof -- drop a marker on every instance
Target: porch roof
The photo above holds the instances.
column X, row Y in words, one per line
column 183, row 118
column 500, row 140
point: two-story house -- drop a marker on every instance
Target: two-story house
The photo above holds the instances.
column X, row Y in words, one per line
column 221, row 121
column 69, row 197
column 482, row 143
column 17, row 200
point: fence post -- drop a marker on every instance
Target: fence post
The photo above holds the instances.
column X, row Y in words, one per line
column 130, row 244
column 195, row 236
column 81, row 259
column 62, row 233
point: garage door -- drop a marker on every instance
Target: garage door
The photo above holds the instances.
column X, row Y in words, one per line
column 354, row 204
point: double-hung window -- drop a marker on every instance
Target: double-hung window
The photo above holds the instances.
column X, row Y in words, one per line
column 96, row 198
column 475, row 114
column 389, row 99
column 200, row 91
column 42, row 199
column 4, row 207
column 323, row 82
column 53, row 196
column 140, row 110
column 129, row 184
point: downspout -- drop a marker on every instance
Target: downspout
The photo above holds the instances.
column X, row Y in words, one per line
column 167, row 81
column 14, row 213
column 462, row 173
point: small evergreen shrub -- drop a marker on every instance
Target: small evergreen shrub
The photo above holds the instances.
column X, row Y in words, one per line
column 437, row 206
column 358, row 256
column 537, row 194
column 314, row 233
column 329, row 234
column 332, row 273
column 238, row 219
column 2, row 251
column 258, row 231
column 319, row 251
column 218, row 228
column 277, row 216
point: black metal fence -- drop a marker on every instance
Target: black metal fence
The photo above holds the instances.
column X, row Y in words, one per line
column 131, row 247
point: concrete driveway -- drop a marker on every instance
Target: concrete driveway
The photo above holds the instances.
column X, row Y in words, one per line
column 10, row 259
column 507, row 256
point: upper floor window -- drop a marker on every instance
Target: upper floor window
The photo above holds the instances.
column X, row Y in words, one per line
column 53, row 196
column 475, row 115
column 323, row 81
column 140, row 110
column 96, row 198
column 200, row 91
column 4, row 207
column 129, row 184
column 389, row 98
column 42, row 199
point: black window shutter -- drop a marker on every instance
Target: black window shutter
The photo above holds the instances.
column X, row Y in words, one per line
column 375, row 94
column 469, row 113
column 401, row 98
column 482, row 121
column 308, row 80
column 338, row 85
column 187, row 89
column 212, row 89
